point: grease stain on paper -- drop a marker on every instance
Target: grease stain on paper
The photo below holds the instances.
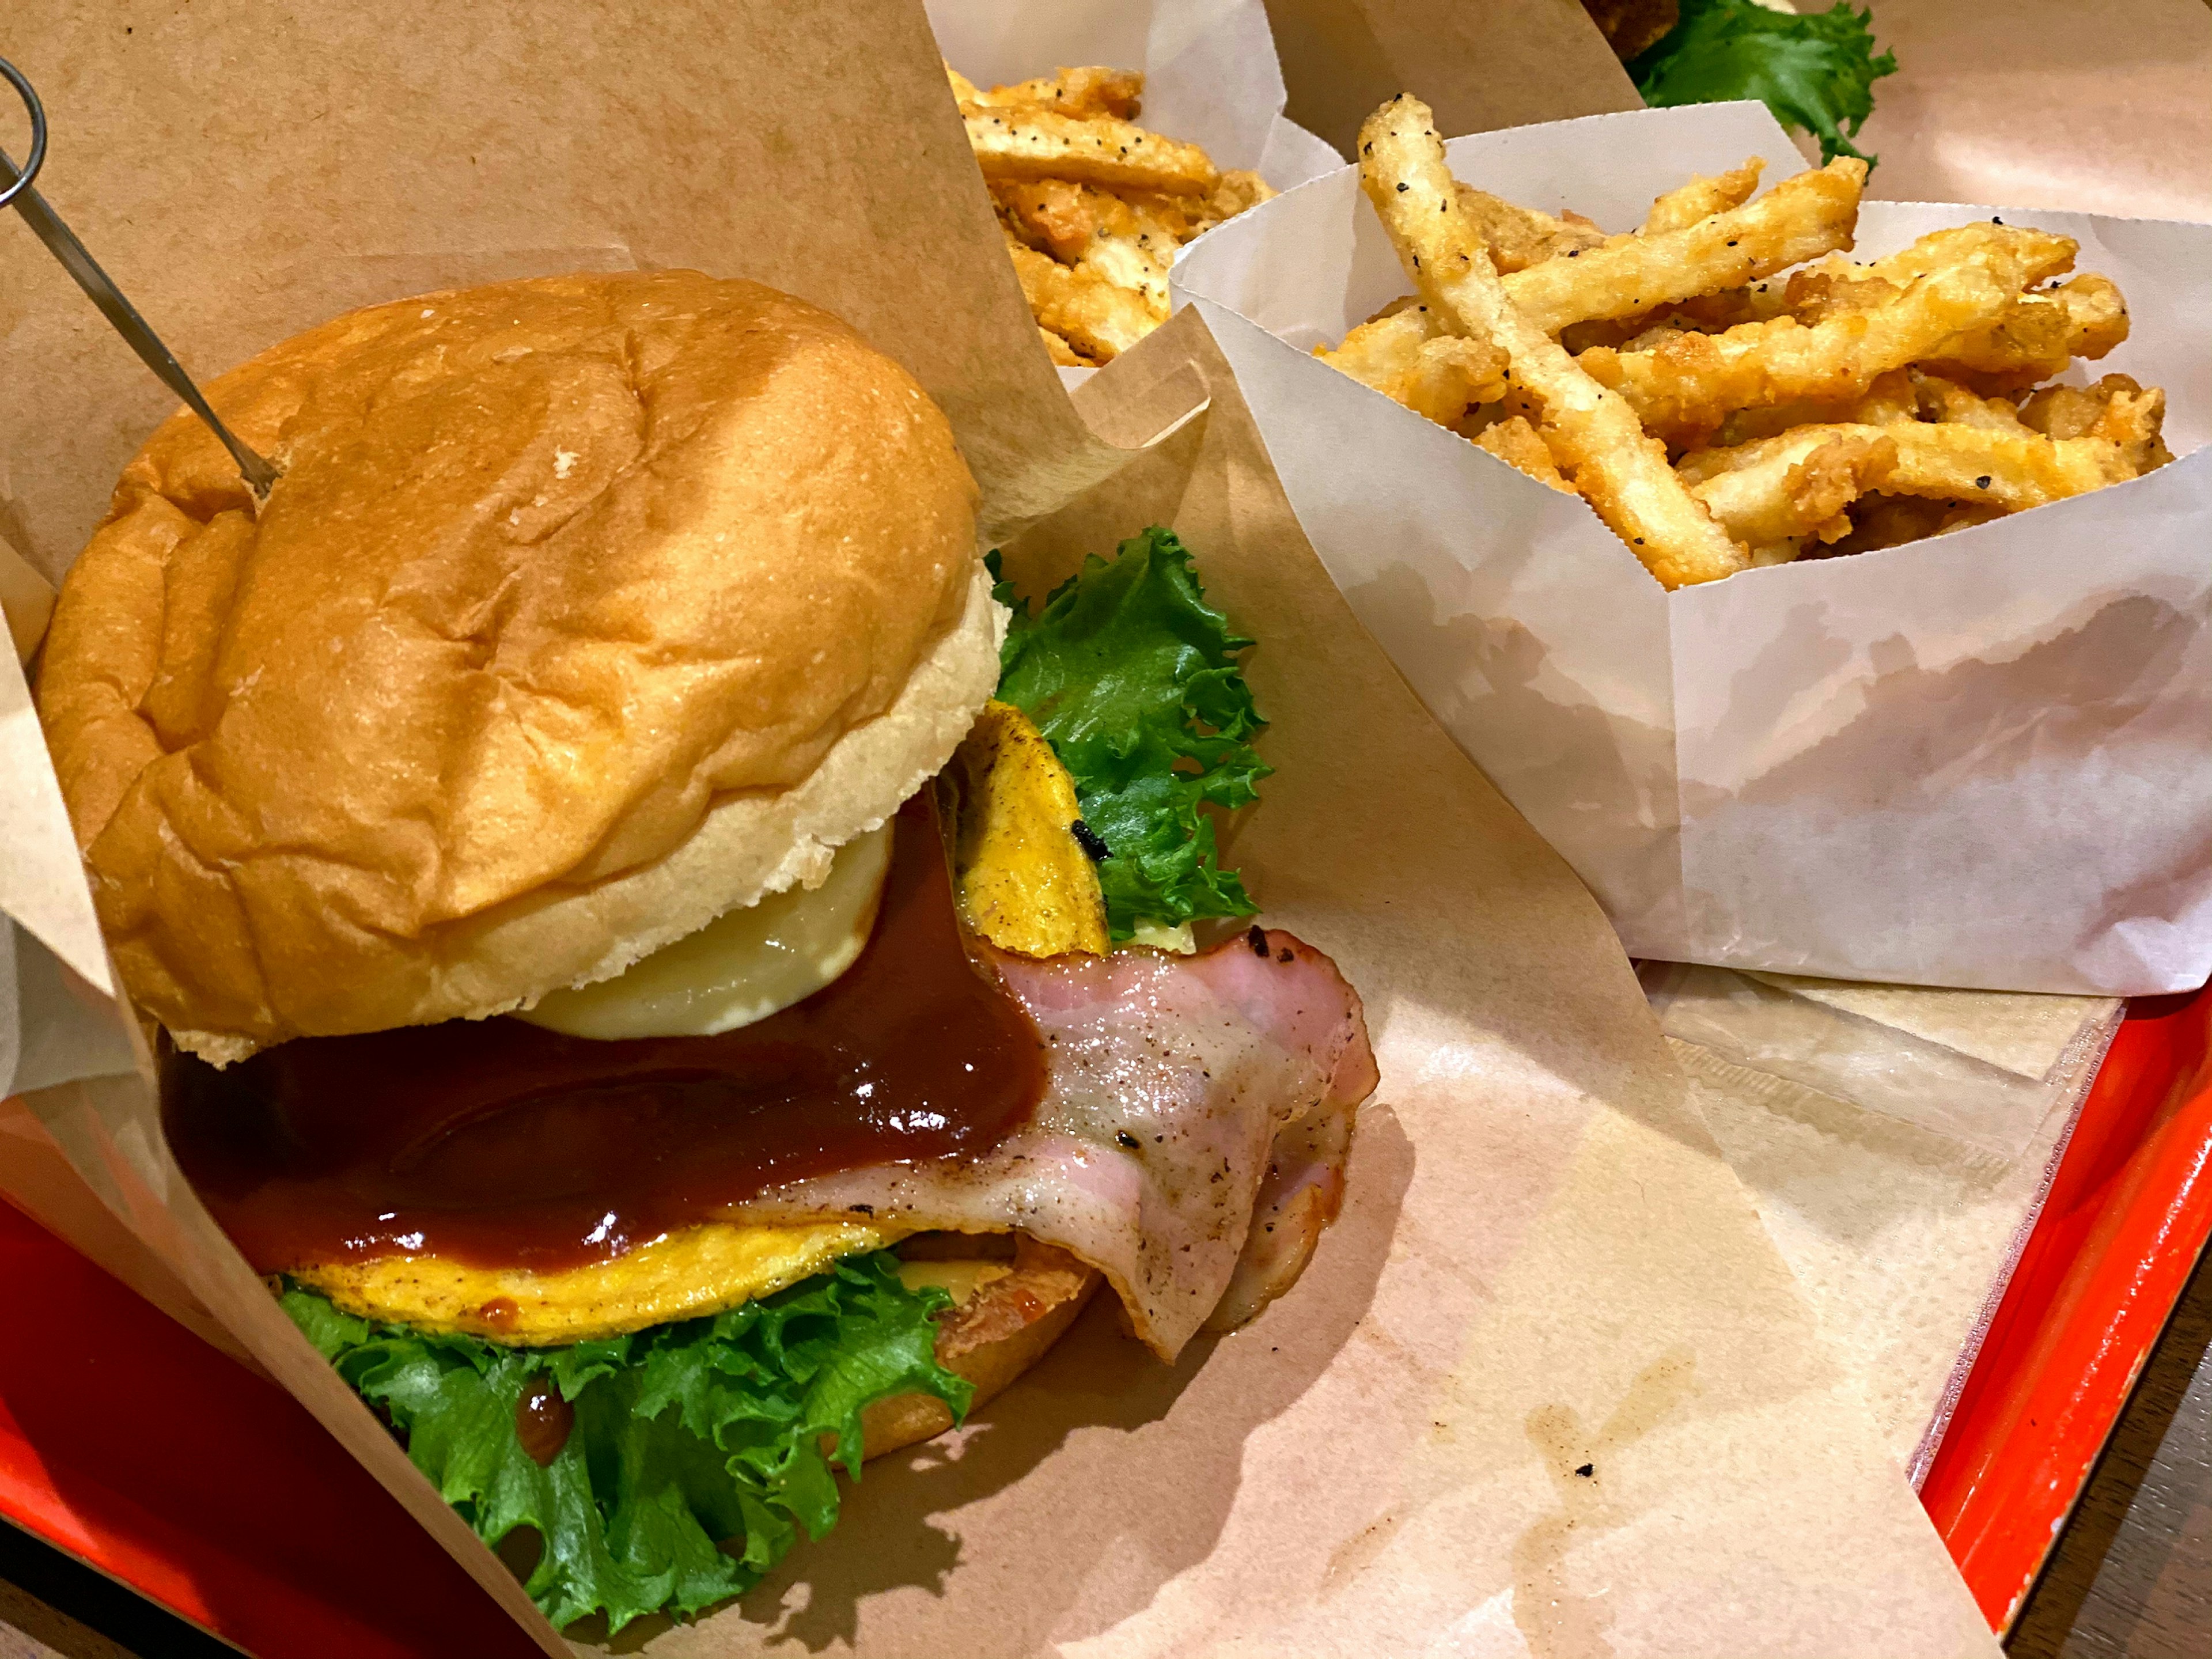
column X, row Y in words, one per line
column 1555, row 1621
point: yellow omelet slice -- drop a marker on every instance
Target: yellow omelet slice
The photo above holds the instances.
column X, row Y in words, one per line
column 687, row 1274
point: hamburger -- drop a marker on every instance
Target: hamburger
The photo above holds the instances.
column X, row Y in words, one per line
column 679, row 979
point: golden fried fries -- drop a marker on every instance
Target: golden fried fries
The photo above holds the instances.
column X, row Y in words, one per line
column 2116, row 409
column 2035, row 256
column 2036, row 336
column 1689, row 385
column 1082, row 93
column 1034, row 143
column 1514, row 441
column 1814, row 406
column 1799, row 219
column 1093, row 315
column 1753, row 489
column 1802, row 488
column 1093, row 229
column 1063, row 355
column 1936, row 399
column 1592, row 434
column 1684, row 205
column 1094, row 208
column 1405, row 353
column 1519, row 237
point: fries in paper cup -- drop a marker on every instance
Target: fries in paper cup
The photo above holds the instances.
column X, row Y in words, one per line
column 1093, row 205
column 1707, row 354
column 1921, row 691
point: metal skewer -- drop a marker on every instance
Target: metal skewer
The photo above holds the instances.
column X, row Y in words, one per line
column 15, row 191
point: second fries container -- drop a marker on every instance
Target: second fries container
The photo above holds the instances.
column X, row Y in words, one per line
column 1211, row 75
column 1981, row 760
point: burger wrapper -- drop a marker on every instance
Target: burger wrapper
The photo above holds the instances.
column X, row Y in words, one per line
column 1211, row 75
column 1547, row 1386
column 1977, row 761
column 1499, row 64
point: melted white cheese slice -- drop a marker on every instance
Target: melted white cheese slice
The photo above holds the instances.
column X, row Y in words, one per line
column 740, row 968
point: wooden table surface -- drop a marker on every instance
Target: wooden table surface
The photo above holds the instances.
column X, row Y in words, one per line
column 2132, row 1574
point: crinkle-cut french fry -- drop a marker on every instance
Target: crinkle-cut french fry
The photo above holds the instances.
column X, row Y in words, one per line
column 1519, row 237
column 1095, row 316
column 2036, row 256
column 1814, row 296
column 1801, row 488
column 1691, row 385
column 1095, row 230
column 2039, row 333
column 2096, row 315
column 1882, row 521
column 1892, row 397
column 1701, row 313
column 1592, row 434
column 1182, row 217
column 2116, row 409
column 1702, row 196
column 1516, row 442
column 2009, row 471
column 1064, row 354
column 1033, row 144
column 1408, row 355
column 1055, row 214
column 1799, row 219
column 1081, row 92
column 1187, row 217
column 1240, row 188
column 1941, row 399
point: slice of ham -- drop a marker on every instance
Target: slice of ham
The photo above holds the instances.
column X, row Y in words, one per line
column 1181, row 1088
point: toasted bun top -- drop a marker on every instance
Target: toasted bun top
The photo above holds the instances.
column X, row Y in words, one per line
column 587, row 608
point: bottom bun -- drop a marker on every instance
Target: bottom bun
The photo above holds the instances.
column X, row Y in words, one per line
column 990, row 1338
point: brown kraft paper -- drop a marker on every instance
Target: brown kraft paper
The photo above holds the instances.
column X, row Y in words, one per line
column 1544, row 1266
column 1493, row 64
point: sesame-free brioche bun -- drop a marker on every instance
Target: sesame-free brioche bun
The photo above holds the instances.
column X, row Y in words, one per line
column 586, row 608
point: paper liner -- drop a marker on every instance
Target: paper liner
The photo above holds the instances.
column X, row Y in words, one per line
column 1978, row 761
column 1543, row 1265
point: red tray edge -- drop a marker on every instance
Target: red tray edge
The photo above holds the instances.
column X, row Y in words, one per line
column 2126, row 1217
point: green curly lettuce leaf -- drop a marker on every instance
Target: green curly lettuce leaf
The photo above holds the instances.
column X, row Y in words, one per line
column 696, row 1454
column 1133, row 679
column 1815, row 70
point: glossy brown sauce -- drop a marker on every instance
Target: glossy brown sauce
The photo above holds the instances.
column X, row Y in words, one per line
column 542, row 1419
column 501, row 1144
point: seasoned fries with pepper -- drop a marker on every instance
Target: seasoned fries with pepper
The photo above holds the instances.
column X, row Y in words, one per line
column 1094, row 206
column 1722, row 385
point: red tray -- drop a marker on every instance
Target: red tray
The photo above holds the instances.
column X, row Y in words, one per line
column 128, row 1443
column 2126, row 1220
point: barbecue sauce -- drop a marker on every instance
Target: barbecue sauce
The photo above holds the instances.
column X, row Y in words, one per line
column 501, row 1144
column 542, row 1419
